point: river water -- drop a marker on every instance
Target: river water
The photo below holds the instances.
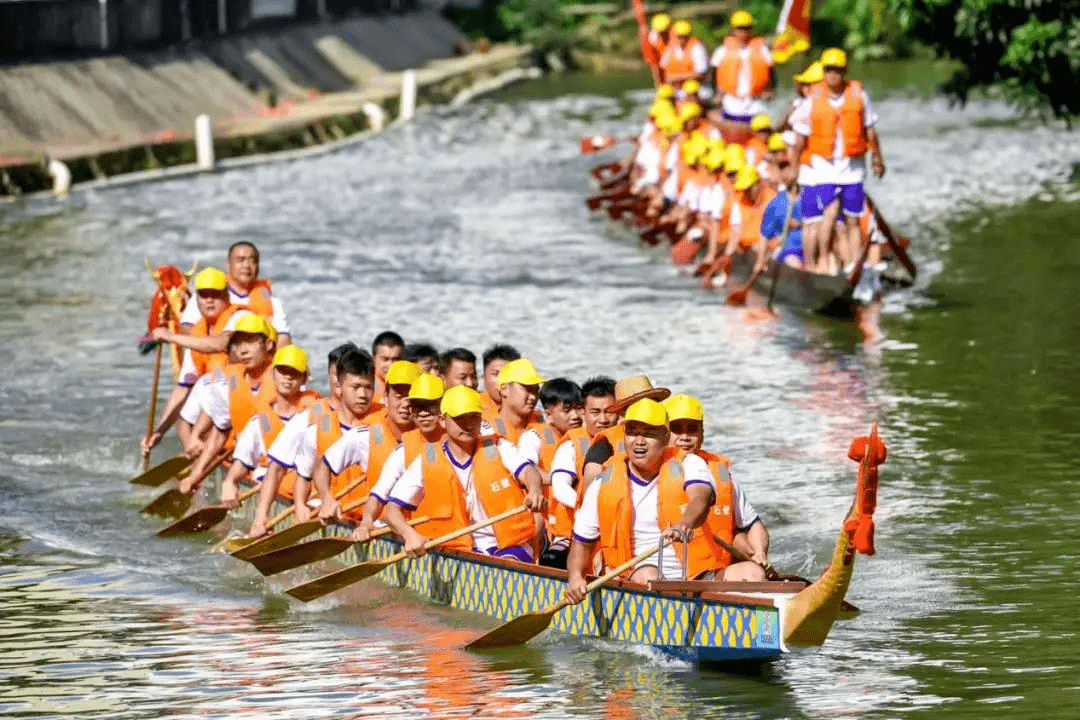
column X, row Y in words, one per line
column 468, row 227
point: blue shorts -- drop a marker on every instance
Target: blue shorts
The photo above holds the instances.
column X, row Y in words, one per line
column 815, row 198
column 524, row 553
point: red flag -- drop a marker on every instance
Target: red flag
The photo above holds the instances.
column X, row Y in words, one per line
column 792, row 30
column 648, row 51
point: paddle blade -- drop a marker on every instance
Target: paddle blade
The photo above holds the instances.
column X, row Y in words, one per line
column 232, row 544
column 684, row 251
column 277, row 561
column 335, row 581
column 163, row 471
column 736, row 297
column 287, row 537
column 593, row 203
column 171, row 504
column 196, row 522
column 517, row 631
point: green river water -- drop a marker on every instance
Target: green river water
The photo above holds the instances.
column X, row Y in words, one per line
column 467, row 227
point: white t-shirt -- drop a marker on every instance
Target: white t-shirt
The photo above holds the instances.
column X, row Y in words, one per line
column 188, row 372
column 564, row 475
column 191, row 315
column 196, row 399
column 409, row 489
column 839, row 169
column 392, row 470
column 283, row 449
column 646, row 528
column 307, row 451
column 741, row 104
column 250, row 447
column 352, row 448
column 529, row 445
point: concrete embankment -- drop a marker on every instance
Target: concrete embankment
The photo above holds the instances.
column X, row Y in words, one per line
column 263, row 92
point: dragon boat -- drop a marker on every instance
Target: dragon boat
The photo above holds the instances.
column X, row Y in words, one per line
column 701, row 622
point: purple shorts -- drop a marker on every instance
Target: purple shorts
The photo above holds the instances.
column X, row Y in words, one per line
column 815, row 198
column 737, row 118
column 523, row 553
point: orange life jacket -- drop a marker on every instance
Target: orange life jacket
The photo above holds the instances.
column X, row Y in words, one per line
column 560, row 518
column 382, row 442
column 731, row 66
column 824, row 120
column 491, row 410
column 504, row 429
column 444, row 497
column 245, row 402
column 615, row 435
column 328, row 430
column 750, row 215
column 721, row 518
column 756, row 148
column 656, row 45
column 617, row 514
column 258, row 299
column 678, row 61
column 270, row 425
column 208, row 362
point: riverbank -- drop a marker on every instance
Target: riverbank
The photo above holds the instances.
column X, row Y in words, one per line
column 307, row 89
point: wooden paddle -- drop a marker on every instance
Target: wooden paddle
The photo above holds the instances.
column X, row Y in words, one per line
column 153, row 402
column 294, row 556
column 173, row 503
column 898, row 246
column 524, row 628
column 164, row 471
column 291, row 535
column 278, row 540
column 604, row 169
column 203, row 518
column 337, row 580
column 684, row 251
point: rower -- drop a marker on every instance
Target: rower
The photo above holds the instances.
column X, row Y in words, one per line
column 249, row 291
column 657, row 42
column 368, row 446
column 464, row 480
column 494, row 358
column 356, row 374
column 758, row 144
column 649, row 491
column 425, row 395
column 753, row 197
column 290, row 375
column 743, row 71
column 386, row 349
column 457, row 366
column 834, row 128
column 423, row 354
column 804, row 81
column 205, row 349
column 685, row 57
column 610, row 441
column 772, row 221
column 237, row 393
column 731, row 518
column 281, row 453
column 519, row 385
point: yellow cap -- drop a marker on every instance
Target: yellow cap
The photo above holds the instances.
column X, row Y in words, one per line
column 761, row 122
column 741, row 19
column 647, row 411
column 427, row 387
column 734, row 157
column 253, row 324
column 746, row 177
column 661, row 107
column 211, row 279
column 691, row 87
column 682, row 28
column 689, row 110
column 460, row 400
column 519, row 371
column 691, row 152
column 814, row 73
column 776, row 143
column 403, row 372
column 683, row 407
column 291, row 356
column 713, row 159
column 665, row 92
column 660, row 22
column 834, row 57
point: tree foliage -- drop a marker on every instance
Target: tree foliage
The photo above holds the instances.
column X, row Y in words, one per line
column 1029, row 48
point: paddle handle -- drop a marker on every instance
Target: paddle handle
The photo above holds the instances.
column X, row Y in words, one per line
column 287, row 512
column 770, row 571
column 248, row 493
column 609, row 575
column 459, row 533
column 387, row 530
column 152, row 413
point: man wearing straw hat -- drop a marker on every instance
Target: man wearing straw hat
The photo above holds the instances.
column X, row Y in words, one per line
column 649, row 492
column 608, row 442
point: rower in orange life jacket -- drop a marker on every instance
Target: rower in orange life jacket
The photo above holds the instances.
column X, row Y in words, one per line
column 743, row 71
column 281, row 453
column 685, row 56
column 649, row 492
column 249, row 291
column 612, row 440
column 753, row 197
column 493, row 360
column 757, row 147
column 237, row 393
column 567, row 465
column 368, row 446
column 656, row 43
column 425, row 395
column 386, row 349
column 834, row 128
column 519, row 386
column 466, row 479
column 356, row 374
column 731, row 516
column 290, row 374
column 205, row 348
